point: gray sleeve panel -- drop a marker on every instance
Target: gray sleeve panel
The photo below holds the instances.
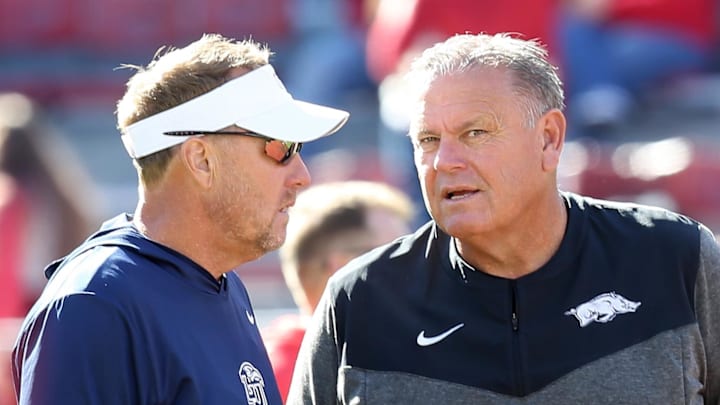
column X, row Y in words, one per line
column 663, row 370
column 707, row 310
column 316, row 369
column 677, row 366
column 666, row 369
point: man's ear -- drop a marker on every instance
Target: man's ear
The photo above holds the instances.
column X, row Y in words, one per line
column 196, row 157
column 553, row 126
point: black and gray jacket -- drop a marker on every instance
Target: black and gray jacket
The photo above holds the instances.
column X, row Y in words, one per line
column 626, row 312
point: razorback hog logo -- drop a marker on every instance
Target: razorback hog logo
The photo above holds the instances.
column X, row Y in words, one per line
column 602, row 308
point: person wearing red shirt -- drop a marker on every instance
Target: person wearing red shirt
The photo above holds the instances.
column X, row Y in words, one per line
column 614, row 51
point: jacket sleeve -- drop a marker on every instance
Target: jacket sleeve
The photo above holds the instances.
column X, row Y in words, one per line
column 707, row 309
column 316, row 371
column 77, row 350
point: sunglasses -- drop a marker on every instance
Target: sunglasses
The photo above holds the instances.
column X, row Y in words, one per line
column 277, row 150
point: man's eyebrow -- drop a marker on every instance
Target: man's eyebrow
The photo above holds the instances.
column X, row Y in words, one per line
column 425, row 131
column 472, row 124
column 465, row 126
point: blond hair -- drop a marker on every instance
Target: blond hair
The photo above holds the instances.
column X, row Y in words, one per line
column 333, row 217
column 176, row 75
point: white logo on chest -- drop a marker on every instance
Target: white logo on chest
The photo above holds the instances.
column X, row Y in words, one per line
column 254, row 384
column 602, row 308
column 423, row 340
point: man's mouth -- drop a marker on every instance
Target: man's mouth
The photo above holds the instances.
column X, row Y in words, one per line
column 286, row 207
column 459, row 194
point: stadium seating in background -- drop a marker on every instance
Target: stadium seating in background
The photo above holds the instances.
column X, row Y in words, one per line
column 679, row 173
column 66, row 51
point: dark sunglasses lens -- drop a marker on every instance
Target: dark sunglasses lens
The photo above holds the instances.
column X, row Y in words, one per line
column 281, row 151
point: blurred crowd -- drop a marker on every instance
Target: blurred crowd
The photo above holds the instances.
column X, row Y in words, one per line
column 642, row 81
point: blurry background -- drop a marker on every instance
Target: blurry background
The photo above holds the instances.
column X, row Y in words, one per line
column 642, row 80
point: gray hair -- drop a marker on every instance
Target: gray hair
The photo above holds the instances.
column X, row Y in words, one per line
column 535, row 78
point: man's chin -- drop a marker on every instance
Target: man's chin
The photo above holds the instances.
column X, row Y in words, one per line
column 272, row 242
column 460, row 227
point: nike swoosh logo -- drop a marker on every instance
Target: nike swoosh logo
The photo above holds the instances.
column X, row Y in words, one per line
column 250, row 317
column 423, row 340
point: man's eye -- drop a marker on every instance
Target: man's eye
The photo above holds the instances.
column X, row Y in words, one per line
column 428, row 139
column 476, row 132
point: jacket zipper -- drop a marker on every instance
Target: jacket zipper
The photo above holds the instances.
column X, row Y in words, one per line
column 516, row 350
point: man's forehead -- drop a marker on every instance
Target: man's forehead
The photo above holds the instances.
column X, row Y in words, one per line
column 429, row 118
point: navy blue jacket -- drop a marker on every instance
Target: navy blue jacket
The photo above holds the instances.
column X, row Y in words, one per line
column 124, row 320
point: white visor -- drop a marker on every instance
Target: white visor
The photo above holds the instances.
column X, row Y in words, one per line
column 256, row 101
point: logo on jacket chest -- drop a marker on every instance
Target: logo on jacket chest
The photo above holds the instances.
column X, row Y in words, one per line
column 423, row 340
column 254, row 384
column 602, row 309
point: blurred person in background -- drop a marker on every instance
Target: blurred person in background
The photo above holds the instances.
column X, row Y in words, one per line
column 515, row 291
column 612, row 52
column 48, row 203
column 329, row 225
column 323, row 61
column 148, row 309
column 401, row 29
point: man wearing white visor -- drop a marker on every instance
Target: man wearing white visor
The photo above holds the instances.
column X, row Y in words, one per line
column 148, row 309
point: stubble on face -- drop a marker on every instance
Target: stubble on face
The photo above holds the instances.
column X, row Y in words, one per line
column 239, row 210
